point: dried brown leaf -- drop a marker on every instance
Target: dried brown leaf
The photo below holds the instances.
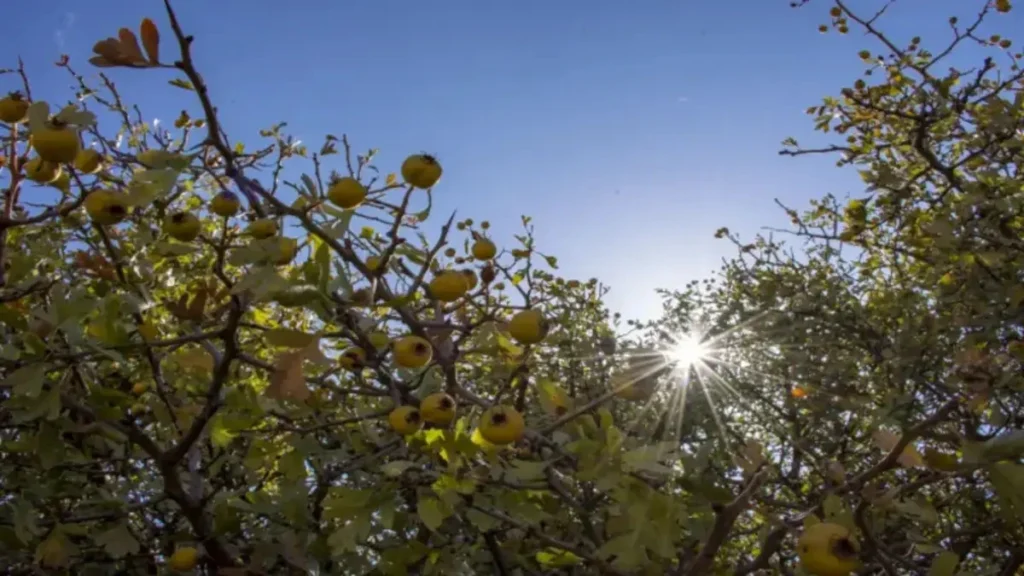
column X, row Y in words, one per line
column 101, row 62
column 130, row 46
column 150, row 40
column 287, row 381
column 109, row 49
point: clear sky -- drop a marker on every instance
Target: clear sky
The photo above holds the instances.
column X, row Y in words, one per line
column 630, row 130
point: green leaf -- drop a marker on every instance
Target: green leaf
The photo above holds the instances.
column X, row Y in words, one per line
column 395, row 468
column 555, row 558
column 430, row 512
column 483, row 522
column 27, row 380
column 944, row 564
column 285, row 338
column 322, row 260
column 181, row 83
column 117, row 542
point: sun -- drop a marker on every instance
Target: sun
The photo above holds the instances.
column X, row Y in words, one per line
column 687, row 350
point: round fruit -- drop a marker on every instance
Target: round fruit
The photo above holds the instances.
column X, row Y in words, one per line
column 502, row 425
column 421, row 171
column 13, row 108
column 353, row 359
column 182, row 226
column 63, row 182
column 380, row 340
column 528, row 327
column 88, row 161
column 283, row 250
column 184, row 559
column 226, row 204
column 41, row 171
column 405, row 420
column 484, row 249
column 56, row 143
column 138, row 389
column 438, row 409
column 471, row 279
column 105, row 207
column 487, row 274
column 827, row 549
column 373, row 263
column 346, row 192
column 413, row 352
column 263, row 228
column 448, row 286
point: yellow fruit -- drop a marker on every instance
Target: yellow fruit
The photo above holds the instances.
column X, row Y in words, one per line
column 353, row 359
column 184, row 559
column 138, row 389
column 827, row 549
column 41, row 171
column 413, row 352
column 405, row 420
column 346, row 192
column 448, row 286
column 105, row 207
column 470, row 277
column 283, row 250
column 484, row 249
column 56, row 143
column 438, row 409
column 528, row 327
column 13, row 108
column 421, row 171
column 88, row 161
column 502, row 425
column 225, row 204
column 373, row 263
column 380, row 340
column 63, row 182
column 263, row 228
column 182, row 226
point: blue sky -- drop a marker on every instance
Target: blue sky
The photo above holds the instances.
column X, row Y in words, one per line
column 630, row 131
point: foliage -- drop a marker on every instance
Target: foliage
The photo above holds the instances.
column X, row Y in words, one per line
column 160, row 392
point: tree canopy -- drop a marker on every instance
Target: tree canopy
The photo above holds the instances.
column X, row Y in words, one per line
column 209, row 366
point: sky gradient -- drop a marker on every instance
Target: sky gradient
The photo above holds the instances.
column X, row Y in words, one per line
column 630, row 131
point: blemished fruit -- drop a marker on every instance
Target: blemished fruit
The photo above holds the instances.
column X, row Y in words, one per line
column 380, row 340
column 184, row 559
column 263, row 228
column 346, row 192
column 138, row 389
column 528, row 327
column 283, row 250
column 502, row 425
column 487, row 274
column 438, row 409
column 182, row 226
column 827, row 549
column 225, row 204
column 13, row 108
column 421, row 171
column 448, row 286
column 484, row 249
column 471, row 279
column 353, row 359
column 56, row 143
column 405, row 420
column 41, row 171
column 88, row 161
column 105, row 207
column 413, row 352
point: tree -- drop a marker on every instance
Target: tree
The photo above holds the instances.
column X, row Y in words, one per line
column 204, row 362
